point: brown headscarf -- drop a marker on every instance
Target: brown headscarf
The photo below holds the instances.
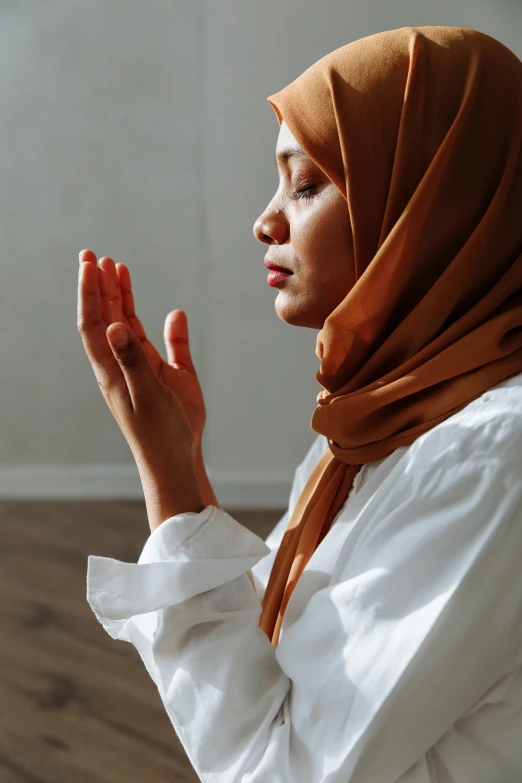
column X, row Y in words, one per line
column 420, row 129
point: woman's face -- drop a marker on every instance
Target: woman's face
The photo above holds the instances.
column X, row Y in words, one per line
column 307, row 228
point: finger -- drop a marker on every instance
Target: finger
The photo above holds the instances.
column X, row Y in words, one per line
column 87, row 255
column 127, row 300
column 113, row 288
column 106, row 315
column 128, row 352
column 177, row 340
column 93, row 329
column 89, row 309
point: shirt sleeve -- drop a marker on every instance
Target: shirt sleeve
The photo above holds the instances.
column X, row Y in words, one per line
column 422, row 616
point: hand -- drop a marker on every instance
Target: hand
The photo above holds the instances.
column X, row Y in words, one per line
column 148, row 412
column 178, row 372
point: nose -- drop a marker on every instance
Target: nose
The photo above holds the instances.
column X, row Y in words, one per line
column 271, row 227
column 260, row 230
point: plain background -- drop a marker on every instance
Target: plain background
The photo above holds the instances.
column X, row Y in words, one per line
column 141, row 130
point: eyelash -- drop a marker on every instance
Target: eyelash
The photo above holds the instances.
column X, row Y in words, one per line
column 303, row 193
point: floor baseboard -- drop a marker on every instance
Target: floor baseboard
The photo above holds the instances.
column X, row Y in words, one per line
column 122, row 482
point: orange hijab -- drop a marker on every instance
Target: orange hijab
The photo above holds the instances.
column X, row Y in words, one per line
column 420, row 129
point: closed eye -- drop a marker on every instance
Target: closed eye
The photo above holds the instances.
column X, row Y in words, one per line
column 303, row 193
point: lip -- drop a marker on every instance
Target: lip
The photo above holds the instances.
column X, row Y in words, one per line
column 275, row 277
column 275, row 268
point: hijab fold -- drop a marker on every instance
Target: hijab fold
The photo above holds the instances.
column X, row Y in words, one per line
column 420, row 129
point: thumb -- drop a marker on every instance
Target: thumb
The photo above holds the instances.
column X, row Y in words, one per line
column 134, row 364
column 176, row 338
column 119, row 337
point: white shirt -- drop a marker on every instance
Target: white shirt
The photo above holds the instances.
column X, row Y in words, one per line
column 400, row 654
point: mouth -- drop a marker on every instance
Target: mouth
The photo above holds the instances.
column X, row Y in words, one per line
column 277, row 274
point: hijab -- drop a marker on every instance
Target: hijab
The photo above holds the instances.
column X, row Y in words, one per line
column 420, row 129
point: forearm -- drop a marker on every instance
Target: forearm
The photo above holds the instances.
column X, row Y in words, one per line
column 205, row 488
column 174, row 487
column 215, row 671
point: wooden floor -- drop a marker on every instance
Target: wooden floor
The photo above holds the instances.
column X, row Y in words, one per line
column 75, row 705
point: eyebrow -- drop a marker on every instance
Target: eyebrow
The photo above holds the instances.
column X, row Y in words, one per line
column 283, row 155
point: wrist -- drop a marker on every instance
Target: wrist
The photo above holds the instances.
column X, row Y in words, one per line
column 207, row 492
column 170, row 490
column 197, row 444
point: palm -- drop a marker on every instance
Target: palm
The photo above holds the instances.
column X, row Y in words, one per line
column 178, row 372
column 183, row 382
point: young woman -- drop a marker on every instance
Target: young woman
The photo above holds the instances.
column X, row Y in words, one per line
column 376, row 636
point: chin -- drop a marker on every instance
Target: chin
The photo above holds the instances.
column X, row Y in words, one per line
column 298, row 316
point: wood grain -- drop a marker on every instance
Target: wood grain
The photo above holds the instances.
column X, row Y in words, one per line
column 78, row 706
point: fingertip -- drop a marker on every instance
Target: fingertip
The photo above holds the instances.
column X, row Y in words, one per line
column 172, row 316
column 84, row 254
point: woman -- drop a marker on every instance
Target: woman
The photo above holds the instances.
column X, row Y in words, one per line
column 377, row 635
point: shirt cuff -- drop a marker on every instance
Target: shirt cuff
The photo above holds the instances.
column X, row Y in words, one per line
column 186, row 555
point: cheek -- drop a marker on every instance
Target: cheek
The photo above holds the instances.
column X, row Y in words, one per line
column 324, row 243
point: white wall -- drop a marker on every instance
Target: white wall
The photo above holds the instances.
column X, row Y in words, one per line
column 142, row 131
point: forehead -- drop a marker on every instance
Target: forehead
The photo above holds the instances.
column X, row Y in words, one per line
column 285, row 138
column 287, row 146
